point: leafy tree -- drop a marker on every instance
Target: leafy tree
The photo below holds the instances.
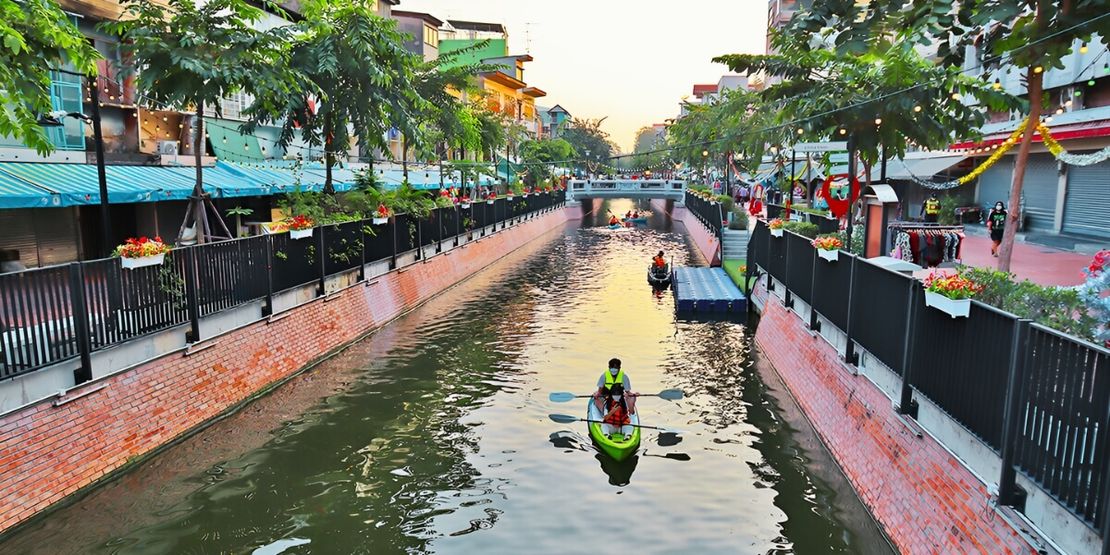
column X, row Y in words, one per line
column 588, row 140
column 1031, row 34
column 193, row 55
column 357, row 64
column 537, row 157
column 35, row 36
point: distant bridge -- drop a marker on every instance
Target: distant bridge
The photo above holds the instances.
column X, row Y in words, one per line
column 669, row 189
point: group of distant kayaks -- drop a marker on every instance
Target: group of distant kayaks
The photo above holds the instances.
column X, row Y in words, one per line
column 628, row 220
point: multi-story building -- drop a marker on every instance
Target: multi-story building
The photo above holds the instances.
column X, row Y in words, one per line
column 423, row 32
column 554, row 120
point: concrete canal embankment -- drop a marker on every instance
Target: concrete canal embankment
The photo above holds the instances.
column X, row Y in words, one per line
column 62, row 445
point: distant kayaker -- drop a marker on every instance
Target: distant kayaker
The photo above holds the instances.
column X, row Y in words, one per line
column 617, row 411
column 613, row 220
column 659, row 261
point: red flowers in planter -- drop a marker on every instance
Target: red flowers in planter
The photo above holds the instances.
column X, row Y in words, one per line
column 298, row 223
column 142, row 247
column 383, row 211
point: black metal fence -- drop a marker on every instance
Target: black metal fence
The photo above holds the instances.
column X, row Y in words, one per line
column 37, row 307
column 1037, row 397
column 709, row 213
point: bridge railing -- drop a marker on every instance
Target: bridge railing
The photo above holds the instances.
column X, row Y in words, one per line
column 647, row 188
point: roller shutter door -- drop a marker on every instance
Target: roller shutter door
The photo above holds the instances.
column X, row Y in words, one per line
column 56, row 232
column 1087, row 206
column 19, row 234
column 1042, row 180
column 994, row 184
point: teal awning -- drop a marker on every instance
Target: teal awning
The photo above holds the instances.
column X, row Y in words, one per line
column 77, row 184
column 17, row 193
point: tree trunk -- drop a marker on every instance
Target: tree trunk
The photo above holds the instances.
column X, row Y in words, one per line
column 405, row 157
column 329, row 159
column 1009, row 233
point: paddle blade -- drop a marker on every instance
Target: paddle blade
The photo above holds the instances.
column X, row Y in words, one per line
column 671, row 394
column 560, row 396
column 563, row 418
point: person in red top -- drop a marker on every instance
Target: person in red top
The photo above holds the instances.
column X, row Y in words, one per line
column 617, row 412
column 614, row 221
column 659, row 261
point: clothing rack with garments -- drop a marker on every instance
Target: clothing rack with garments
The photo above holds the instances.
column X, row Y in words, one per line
column 926, row 244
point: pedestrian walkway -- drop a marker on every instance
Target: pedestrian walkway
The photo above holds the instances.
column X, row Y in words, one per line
column 1037, row 263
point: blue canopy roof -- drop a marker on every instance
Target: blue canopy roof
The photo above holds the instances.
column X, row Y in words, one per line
column 18, row 193
column 77, row 184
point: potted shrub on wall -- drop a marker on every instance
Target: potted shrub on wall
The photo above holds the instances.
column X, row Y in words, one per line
column 137, row 253
column 775, row 226
column 950, row 294
column 300, row 227
column 491, row 198
column 828, row 247
column 381, row 216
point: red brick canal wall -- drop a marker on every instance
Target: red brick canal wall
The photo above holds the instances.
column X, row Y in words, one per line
column 924, row 499
column 53, row 449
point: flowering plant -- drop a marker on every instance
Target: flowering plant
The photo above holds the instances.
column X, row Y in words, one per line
column 953, row 286
column 776, row 223
column 384, row 211
column 465, row 199
column 492, row 196
column 1093, row 293
column 142, row 247
column 297, row 223
column 827, row 243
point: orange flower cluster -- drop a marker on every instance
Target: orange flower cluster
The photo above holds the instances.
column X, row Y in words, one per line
column 141, row 247
column 298, row 223
column 827, row 243
column 953, row 286
column 775, row 223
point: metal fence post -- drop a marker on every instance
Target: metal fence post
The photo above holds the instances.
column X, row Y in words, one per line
column 850, row 355
column 268, row 308
column 1019, row 353
column 787, row 299
column 814, row 324
column 362, row 250
column 419, row 240
column 320, row 257
column 393, row 259
column 80, row 322
column 906, row 404
column 191, row 303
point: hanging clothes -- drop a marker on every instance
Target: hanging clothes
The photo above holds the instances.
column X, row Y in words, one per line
column 927, row 247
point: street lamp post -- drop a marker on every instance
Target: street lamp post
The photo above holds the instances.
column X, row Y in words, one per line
column 704, row 166
column 54, row 120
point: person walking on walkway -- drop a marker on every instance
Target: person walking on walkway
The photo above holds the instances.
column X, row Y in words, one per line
column 931, row 208
column 996, row 224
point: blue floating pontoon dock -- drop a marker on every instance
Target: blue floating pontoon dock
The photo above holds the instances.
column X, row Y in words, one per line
column 707, row 290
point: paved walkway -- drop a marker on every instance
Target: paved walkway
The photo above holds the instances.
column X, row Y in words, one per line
column 1037, row 263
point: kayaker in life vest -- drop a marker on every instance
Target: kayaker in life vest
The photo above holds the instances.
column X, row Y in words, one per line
column 617, row 410
column 613, row 220
column 659, row 261
column 609, row 378
column 931, row 208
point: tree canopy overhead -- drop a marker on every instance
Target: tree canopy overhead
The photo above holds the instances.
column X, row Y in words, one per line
column 36, row 36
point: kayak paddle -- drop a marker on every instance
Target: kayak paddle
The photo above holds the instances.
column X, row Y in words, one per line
column 568, row 419
column 666, row 394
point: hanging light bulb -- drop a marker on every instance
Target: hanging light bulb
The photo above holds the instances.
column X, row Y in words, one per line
column 1048, row 119
column 263, row 150
column 164, row 118
column 843, row 131
column 801, row 131
column 225, row 140
column 1090, row 82
column 955, row 96
column 1038, row 69
column 1083, row 48
column 1078, row 93
column 878, row 121
column 1060, row 110
column 1068, row 103
column 917, row 108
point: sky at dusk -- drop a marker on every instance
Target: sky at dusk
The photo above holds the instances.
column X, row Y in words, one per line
column 630, row 60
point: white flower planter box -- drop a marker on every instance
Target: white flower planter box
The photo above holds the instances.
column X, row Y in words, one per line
column 142, row 261
column 776, row 232
column 300, row 233
column 379, row 221
column 465, row 205
column 490, row 202
column 829, row 254
column 956, row 308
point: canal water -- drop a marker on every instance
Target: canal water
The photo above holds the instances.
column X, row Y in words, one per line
column 433, row 435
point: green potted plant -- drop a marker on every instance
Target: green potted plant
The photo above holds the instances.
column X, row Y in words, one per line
column 950, row 293
column 828, row 247
column 239, row 212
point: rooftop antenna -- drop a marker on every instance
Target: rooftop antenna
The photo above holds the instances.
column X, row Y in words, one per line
column 528, row 37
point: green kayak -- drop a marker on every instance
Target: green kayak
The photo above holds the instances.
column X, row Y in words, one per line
column 618, row 446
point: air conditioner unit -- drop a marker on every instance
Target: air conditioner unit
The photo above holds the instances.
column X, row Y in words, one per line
column 167, row 148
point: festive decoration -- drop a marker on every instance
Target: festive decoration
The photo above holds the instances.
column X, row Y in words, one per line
column 998, row 154
column 839, row 202
column 1066, row 157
